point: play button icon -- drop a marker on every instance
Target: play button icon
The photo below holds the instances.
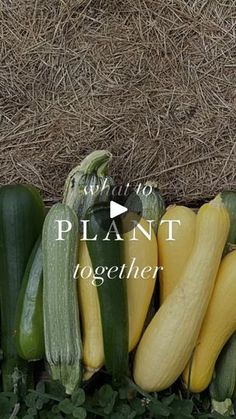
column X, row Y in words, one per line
column 116, row 209
column 121, row 209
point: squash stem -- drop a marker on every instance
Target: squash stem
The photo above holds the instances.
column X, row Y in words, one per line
column 95, row 160
column 217, row 201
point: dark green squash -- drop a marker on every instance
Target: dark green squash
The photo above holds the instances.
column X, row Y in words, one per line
column 223, row 385
column 229, row 199
column 112, row 292
column 21, row 218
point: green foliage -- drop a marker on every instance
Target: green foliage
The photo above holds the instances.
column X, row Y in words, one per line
column 120, row 401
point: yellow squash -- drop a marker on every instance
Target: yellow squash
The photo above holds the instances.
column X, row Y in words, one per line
column 170, row 338
column 142, row 253
column 173, row 254
column 93, row 353
column 218, row 325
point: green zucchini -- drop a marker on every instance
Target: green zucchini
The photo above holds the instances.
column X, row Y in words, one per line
column 89, row 183
column 112, row 292
column 21, row 217
column 223, row 385
column 60, row 301
column 224, row 381
column 29, row 336
column 229, row 199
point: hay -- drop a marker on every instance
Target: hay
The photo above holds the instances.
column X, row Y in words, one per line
column 153, row 81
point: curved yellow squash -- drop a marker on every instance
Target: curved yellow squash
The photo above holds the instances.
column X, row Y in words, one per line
column 170, row 338
column 173, row 254
column 139, row 291
column 93, row 353
column 218, row 325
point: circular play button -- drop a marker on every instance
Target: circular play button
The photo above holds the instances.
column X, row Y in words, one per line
column 120, row 211
column 127, row 206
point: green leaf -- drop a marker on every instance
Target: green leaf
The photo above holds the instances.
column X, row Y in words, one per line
column 30, row 399
column 39, row 403
column 124, row 409
column 110, row 404
column 65, row 406
column 137, row 405
column 168, row 400
column 105, row 394
column 51, row 415
column 12, row 398
column 55, row 388
column 180, row 416
column 55, row 409
column 117, row 416
column 127, row 393
column 5, row 406
column 79, row 412
column 123, row 393
column 213, row 415
column 182, row 407
column 158, row 409
column 78, row 397
column 40, row 387
column 32, row 411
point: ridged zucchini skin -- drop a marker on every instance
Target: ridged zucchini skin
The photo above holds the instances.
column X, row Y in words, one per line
column 229, row 199
column 88, row 183
column 112, row 293
column 173, row 255
column 223, row 385
column 29, row 337
column 21, row 218
column 170, row 338
column 60, row 300
column 218, row 325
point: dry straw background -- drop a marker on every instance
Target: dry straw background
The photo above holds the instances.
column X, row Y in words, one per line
column 153, row 81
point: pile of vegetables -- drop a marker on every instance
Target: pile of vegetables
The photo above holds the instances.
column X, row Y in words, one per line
column 179, row 327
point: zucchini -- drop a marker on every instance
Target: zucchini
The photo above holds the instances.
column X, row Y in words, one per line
column 168, row 342
column 223, row 385
column 21, row 217
column 224, row 380
column 229, row 199
column 111, row 293
column 60, row 300
column 29, row 313
column 86, row 185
